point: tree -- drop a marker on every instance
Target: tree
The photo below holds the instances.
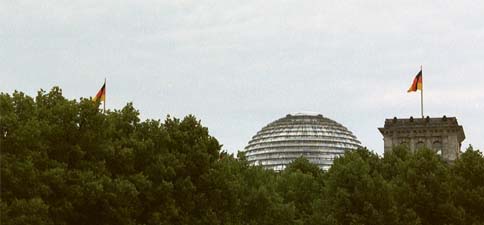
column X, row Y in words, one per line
column 468, row 178
column 357, row 193
column 421, row 185
column 65, row 162
column 301, row 185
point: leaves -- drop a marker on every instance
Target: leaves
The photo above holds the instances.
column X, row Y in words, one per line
column 64, row 162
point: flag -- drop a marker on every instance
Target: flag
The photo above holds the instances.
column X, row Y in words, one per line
column 101, row 94
column 417, row 83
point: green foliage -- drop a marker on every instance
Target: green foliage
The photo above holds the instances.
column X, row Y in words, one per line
column 358, row 193
column 64, row 162
column 468, row 174
column 301, row 184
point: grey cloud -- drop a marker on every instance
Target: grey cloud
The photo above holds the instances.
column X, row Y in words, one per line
column 238, row 65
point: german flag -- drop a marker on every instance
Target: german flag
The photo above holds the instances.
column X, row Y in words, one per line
column 101, row 94
column 417, row 83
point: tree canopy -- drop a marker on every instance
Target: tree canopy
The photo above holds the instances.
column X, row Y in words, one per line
column 65, row 162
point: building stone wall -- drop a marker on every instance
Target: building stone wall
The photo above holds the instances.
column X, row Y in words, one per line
column 444, row 135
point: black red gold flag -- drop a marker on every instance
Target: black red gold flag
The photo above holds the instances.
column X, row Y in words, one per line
column 101, row 94
column 417, row 83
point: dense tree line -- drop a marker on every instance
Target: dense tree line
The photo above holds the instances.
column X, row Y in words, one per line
column 65, row 162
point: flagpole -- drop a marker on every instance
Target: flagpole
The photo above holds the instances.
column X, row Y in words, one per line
column 421, row 94
column 104, row 105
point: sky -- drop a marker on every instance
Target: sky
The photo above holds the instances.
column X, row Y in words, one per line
column 239, row 65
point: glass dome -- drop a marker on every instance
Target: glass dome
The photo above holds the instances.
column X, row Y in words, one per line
column 312, row 136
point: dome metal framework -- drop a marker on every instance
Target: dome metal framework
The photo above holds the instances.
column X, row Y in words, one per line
column 317, row 138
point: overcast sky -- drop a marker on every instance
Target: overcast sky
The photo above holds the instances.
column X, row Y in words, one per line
column 238, row 65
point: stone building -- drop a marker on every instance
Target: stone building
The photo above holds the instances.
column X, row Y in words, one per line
column 444, row 135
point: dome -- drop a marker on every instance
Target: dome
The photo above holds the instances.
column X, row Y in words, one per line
column 317, row 138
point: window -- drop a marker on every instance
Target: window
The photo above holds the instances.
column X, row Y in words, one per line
column 437, row 147
column 420, row 145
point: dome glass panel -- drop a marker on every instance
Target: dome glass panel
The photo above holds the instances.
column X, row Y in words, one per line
column 313, row 136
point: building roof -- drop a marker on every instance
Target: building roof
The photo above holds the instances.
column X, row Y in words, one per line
column 311, row 135
column 448, row 124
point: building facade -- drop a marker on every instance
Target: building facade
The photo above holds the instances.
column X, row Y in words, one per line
column 317, row 138
column 444, row 135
